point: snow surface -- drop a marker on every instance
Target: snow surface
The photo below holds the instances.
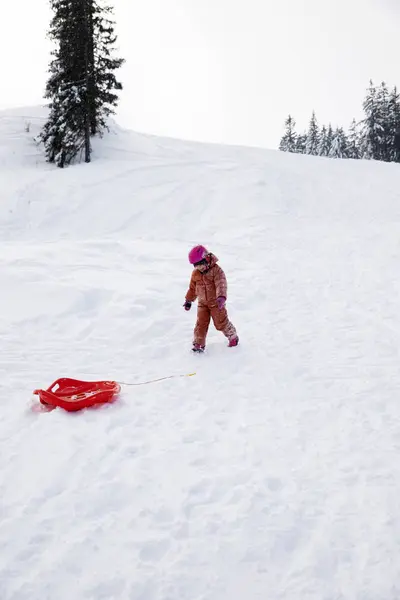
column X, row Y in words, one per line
column 272, row 474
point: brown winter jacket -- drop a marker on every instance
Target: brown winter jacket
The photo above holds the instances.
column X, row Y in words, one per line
column 209, row 285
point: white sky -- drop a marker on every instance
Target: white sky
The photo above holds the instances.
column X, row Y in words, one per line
column 223, row 70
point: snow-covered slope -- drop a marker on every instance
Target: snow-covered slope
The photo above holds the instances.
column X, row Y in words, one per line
column 274, row 473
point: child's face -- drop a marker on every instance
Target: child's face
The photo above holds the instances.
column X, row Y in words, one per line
column 201, row 265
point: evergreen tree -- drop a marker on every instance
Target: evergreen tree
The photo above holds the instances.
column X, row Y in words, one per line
column 339, row 148
column 329, row 138
column 312, row 136
column 65, row 133
column 354, row 140
column 82, row 80
column 325, row 141
column 288, row 141
column 322, row 141
column 382, row 103
column 301, row 143
column 372, row 128
column 394, row 125
column 103, row 97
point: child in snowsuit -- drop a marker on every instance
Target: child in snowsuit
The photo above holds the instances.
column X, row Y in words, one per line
column 208, row 284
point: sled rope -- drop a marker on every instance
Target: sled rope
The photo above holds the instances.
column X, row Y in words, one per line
column 155, row 380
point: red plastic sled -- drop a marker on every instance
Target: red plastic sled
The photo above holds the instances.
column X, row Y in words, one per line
column 73, row 394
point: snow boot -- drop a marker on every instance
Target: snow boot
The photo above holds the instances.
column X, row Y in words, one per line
column 198, row 348
column 233, row 342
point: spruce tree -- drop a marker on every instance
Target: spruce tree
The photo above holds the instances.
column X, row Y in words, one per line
column 371, row 132
column 64, row 132
column 312, row 136
column 394, row 125
column 82, row 81
column 354, row 140
column 339, row 148
column 329, row 139
column 322, row 139
column 301, row 142
column 325, row 142
column 288, row 141
column 104, row 84
column 382, row 103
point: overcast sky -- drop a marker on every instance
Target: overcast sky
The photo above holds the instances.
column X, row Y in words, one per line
column 223, row 70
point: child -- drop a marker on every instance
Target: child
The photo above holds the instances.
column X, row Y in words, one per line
column 208, row 284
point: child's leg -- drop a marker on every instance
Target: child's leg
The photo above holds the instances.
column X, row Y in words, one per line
column 222, row 322
column 202, row 324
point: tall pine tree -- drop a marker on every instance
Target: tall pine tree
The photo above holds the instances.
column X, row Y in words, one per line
column 325, row 141
column 354, row 140
column 312, row 136
column 382, row 102
column 371, row 126
column 394, row 125
column 339, row 147
column 82, row 80
column 329, row 139
column 288, row 141
column 301, row 143
column 104, row 83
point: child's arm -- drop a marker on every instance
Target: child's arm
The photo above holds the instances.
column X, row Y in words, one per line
column 191, row 293
column 221, row 285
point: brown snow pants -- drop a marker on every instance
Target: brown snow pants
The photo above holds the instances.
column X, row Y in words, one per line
column 220, row 320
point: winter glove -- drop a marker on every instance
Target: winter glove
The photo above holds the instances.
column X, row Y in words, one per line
column 187, row 305
column 221, row 302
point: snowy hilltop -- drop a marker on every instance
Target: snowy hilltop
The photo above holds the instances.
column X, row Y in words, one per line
column 273, row 473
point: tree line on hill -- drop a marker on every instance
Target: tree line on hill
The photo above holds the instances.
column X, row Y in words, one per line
column 376, row 136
